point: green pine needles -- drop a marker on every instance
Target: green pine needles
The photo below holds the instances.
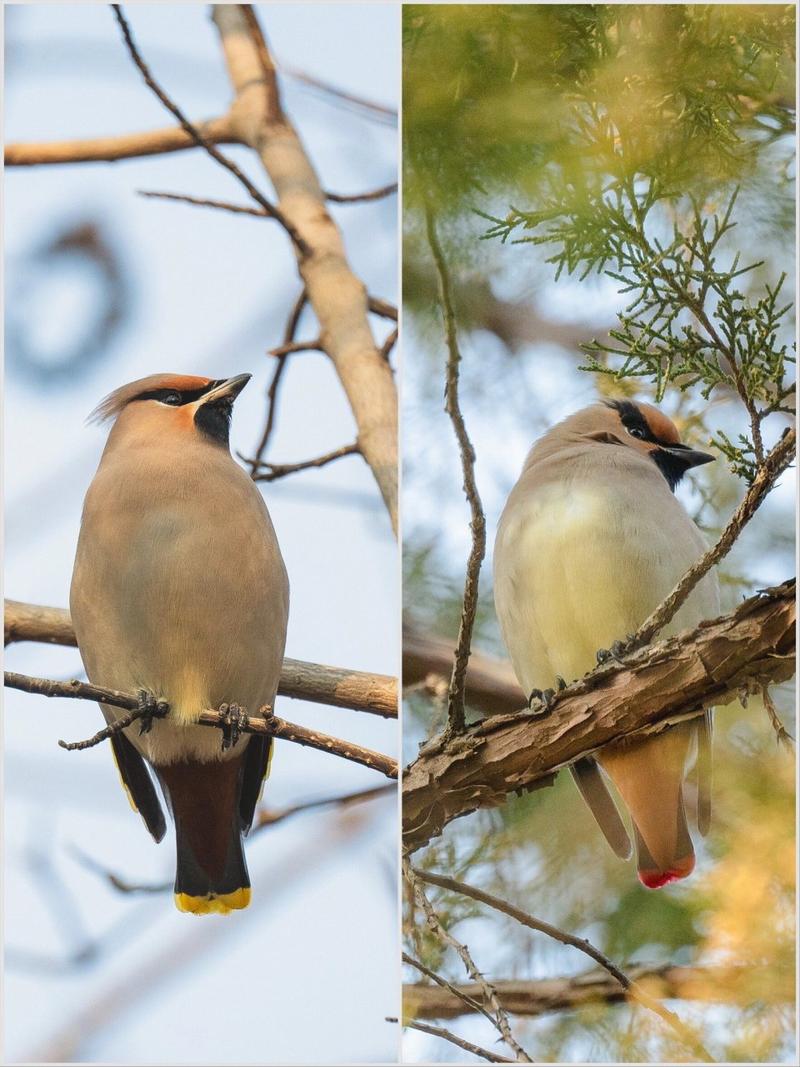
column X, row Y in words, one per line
column 688, row 322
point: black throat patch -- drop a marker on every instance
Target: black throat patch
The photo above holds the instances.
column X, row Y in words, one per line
column 214, row 419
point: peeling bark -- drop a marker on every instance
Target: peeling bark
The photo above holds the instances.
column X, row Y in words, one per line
column 650, row 689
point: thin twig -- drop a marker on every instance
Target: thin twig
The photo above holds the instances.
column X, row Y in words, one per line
column 221, row 205
column 499, row 1018
column 290, row 348
column 471, row 1002
column 193, row 132
column 380, row 112
column 448, row 1035
column 274, row 386
column 360, row 198
column 264, row 723
column 564, row 938
column 782, row 735
column 775, row 463
column 115, row 727
column 455, row 701
column 381, row 307
column 274, row 471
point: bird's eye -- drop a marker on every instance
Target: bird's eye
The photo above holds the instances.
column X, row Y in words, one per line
column 173, row 398
column 636, row 431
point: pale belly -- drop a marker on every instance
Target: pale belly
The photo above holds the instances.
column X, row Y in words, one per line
column 575, row 572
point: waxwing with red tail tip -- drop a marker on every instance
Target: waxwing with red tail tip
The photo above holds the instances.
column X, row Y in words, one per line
column 179, row 593
column 590, row 542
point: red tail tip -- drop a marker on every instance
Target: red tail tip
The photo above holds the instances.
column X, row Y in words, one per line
column 657, row 879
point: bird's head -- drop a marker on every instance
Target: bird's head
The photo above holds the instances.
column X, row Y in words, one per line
column 640, row 426
column 169, row 404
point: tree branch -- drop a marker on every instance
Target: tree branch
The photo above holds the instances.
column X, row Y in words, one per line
column 197, row 201
column 454, row 1039
column 645, row 692
column 541, row 996
column 122, row 146
column 197, row 136
column 338, row 297
column 265, row 724
column 455, row 695
column 497, row 1015
column 360, row 198
column 634, row 991
column 315, row 682
column 270, row 472
column 274, row 386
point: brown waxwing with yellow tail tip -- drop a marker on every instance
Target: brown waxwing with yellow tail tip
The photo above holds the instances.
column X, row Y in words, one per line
column 179, row 592
column 591, row 540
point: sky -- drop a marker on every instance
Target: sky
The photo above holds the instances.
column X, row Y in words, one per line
column 209, row 294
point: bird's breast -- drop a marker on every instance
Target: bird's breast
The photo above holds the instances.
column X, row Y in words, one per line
column 579, row 566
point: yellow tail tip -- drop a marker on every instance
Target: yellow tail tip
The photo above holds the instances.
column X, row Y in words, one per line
column 222, row 904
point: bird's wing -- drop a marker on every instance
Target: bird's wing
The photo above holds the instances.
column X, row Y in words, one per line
column 255, row 772
column 139, row 785
column 594, row 791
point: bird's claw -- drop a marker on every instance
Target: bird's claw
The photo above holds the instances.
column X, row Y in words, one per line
column 616, row 651
column 233, row 721
column 150, row 709
column 542, row 697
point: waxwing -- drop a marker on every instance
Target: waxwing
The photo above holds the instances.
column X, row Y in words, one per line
column 590, row 542
column 180, row 593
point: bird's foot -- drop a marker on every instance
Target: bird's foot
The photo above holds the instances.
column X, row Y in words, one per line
column 234, row 719
column 617, row 651
column 150, row 709
column 541, row 700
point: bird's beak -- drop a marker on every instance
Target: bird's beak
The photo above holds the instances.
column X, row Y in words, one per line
column 689, row 457
column 226, row 390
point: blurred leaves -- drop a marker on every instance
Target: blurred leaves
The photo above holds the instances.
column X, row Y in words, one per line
column 536, row 97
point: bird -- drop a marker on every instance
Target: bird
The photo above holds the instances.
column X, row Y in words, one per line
column 180, row 594
column 591, row 540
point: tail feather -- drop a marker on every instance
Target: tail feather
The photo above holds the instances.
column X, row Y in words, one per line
column 211, row 873
column 204, row 889
column 594, row 791
column 649, row 776
column 704, row 773
column 654, row 876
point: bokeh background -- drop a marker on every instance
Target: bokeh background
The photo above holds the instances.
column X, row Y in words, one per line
column 489, row 92
column 103, row 287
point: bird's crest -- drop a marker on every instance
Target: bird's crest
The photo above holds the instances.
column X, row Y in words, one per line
column 115, row 402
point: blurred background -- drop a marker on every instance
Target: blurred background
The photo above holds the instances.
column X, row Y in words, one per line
column 102, row 287
column 490, row 119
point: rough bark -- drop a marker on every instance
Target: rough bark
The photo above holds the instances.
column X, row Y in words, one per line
column 649, row 689
column 375, row 693
column 338, row 297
